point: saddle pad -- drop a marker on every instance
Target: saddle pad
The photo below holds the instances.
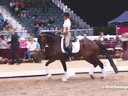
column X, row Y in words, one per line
column 75, row 46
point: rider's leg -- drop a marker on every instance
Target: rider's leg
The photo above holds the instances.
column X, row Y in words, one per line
column 67, row 40
column 68, row 44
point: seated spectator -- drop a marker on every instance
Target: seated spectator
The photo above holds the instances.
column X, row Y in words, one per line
column 101, row 38
column 42, row 23
column 30, row 47
column 51, row 20
column 36, row 23
column 23, row 43
column 3, row 43
column 36, row 55
column 42, row 26
column 51, row 23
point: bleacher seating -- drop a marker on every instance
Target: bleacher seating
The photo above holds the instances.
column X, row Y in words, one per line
column 53, row 11
column 38, row 12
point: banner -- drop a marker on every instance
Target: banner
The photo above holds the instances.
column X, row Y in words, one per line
column 121, row 29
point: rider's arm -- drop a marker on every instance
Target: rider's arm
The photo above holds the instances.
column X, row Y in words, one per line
column 65, row 30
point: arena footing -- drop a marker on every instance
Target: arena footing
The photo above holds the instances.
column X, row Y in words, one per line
column 71, row 71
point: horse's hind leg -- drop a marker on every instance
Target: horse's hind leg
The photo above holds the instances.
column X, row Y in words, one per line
column 65, row 78
column 92, row 71
column 92, row 61
column 102, row 69
column 46, row 67
column 95, row 61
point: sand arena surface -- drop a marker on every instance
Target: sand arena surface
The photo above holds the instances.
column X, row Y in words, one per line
column 53, row 66
column 80, row 85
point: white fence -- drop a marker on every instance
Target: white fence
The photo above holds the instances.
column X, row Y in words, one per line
column 76, row 32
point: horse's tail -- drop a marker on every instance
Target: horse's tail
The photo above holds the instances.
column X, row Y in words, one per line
column 105, row 52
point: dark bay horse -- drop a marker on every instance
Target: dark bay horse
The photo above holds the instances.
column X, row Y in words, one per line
column 89, row 51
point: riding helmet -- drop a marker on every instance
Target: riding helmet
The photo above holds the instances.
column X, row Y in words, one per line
column 66, row 14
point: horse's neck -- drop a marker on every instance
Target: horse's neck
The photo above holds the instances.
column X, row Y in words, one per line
column 53, row 41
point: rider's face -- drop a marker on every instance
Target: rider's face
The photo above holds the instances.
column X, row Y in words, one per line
column 64, row 17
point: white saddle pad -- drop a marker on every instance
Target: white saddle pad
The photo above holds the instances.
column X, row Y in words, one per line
column 75, row 46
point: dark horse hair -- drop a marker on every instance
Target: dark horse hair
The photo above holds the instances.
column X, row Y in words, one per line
column 89, row 51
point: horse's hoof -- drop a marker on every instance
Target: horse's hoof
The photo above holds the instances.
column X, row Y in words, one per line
column 64, row 79
column 116, row 72
column 92, row 77
column 102, row 77
column 49, row 76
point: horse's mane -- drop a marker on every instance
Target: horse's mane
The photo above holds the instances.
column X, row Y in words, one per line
column 50, row 33
column 51, row 36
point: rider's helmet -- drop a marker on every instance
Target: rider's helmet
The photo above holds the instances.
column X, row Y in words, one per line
column 66, row 14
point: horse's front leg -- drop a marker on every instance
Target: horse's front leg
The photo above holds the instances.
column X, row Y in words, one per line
column 65, row 78
column 46, row 68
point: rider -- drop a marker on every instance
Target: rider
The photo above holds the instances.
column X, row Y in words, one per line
column 66, row 32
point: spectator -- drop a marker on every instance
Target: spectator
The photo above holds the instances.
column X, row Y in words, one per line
column 36, row 27
column 3, row 43
column 14, row 46
column 37, row 46
column 51, row 23
column 1, row 21
column 30, row 48
column 101, row 38
column 42, row 23
column 51, row 20
column 23, row 43
column 2, row 36
column 36, row 55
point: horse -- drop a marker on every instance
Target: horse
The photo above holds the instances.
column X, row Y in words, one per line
column 89, row 51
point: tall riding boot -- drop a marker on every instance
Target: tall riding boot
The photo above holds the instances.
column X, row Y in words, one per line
column 69, row 51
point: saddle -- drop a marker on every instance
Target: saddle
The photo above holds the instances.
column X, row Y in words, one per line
column 73, row 39
column 74, row 44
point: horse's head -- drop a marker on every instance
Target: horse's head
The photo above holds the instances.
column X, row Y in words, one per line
column 48, row 38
